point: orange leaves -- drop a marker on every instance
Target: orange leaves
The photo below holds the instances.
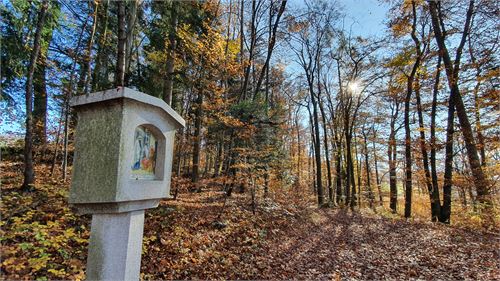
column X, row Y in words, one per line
column 400, row 27
column 288, row 237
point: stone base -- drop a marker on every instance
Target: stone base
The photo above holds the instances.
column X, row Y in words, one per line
column 115, row 246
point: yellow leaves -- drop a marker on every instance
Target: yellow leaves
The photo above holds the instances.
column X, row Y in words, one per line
column 13, row 265
column 57, row 272
column 37, row 263
column 421, row 129
column 233, row 48
column 230, row 121
column 42, row 238
column 401, row 27
column 491, row 73
column 9, row 261
column 402, row 59
column 146, row 241
column 242, row 166
column 402, row 17
column 156, row 56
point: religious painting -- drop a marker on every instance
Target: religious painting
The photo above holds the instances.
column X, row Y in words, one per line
column 145, row 147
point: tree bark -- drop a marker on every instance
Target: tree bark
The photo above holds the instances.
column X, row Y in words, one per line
column 452, row 72
column 391, row 153
column 435, row 212
column 317, row 149
column 377, row 177
column 327, row 153
column 122, row 41
column 368, row 172
column 477, row 106
column 100, row 68
column 131, row 19
column 40, row 102
column 409, row 90
column 169, row 77
column 423, row 150
column 350, row 172
column 197, row 137
column 29, row 172
column 357, row 191
column 448, row 165
column 253, row 40
column 338, row 167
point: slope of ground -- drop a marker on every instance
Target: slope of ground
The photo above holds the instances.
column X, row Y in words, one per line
column 206, row 235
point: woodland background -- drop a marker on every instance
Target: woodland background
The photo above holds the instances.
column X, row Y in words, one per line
column 295, row 127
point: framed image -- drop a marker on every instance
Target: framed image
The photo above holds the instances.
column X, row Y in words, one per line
column 145, row 148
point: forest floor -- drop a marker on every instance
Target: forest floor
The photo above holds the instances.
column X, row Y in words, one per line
column 206, row 235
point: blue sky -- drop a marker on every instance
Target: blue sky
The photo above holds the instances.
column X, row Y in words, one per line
column 367, row 16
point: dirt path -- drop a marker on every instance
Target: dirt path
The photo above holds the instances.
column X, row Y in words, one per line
column 347, row 245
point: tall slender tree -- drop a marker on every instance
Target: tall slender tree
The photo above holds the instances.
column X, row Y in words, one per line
column 29, row 172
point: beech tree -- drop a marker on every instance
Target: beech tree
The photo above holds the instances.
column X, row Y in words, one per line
column 452, row 69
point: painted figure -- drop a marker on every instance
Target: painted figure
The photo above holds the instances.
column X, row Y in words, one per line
column 144, row 154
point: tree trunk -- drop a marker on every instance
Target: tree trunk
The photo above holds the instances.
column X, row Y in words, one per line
column 98, row 78
column 29, row 172
column 40, row 102
column 122, row 41
column 435, row 186
column 317, row 147
column 40, row 93
column 169, row 77
column 423, row 149
column 350, row 172
column 477, row 106
column 83, row 85
column 338, row 167
column 56, row 149
column 448, row 165
column 367, row 167
column 391, row 153
column 297, row 126
column 242, row 39
column 327, row 153
column 357, row 191
column 131, row 19
column 409, row 90
column 253, row 39
column 377, row 177
column 452, row 72
column 197, row 137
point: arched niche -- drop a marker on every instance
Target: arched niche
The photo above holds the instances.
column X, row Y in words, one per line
column 148, row 153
